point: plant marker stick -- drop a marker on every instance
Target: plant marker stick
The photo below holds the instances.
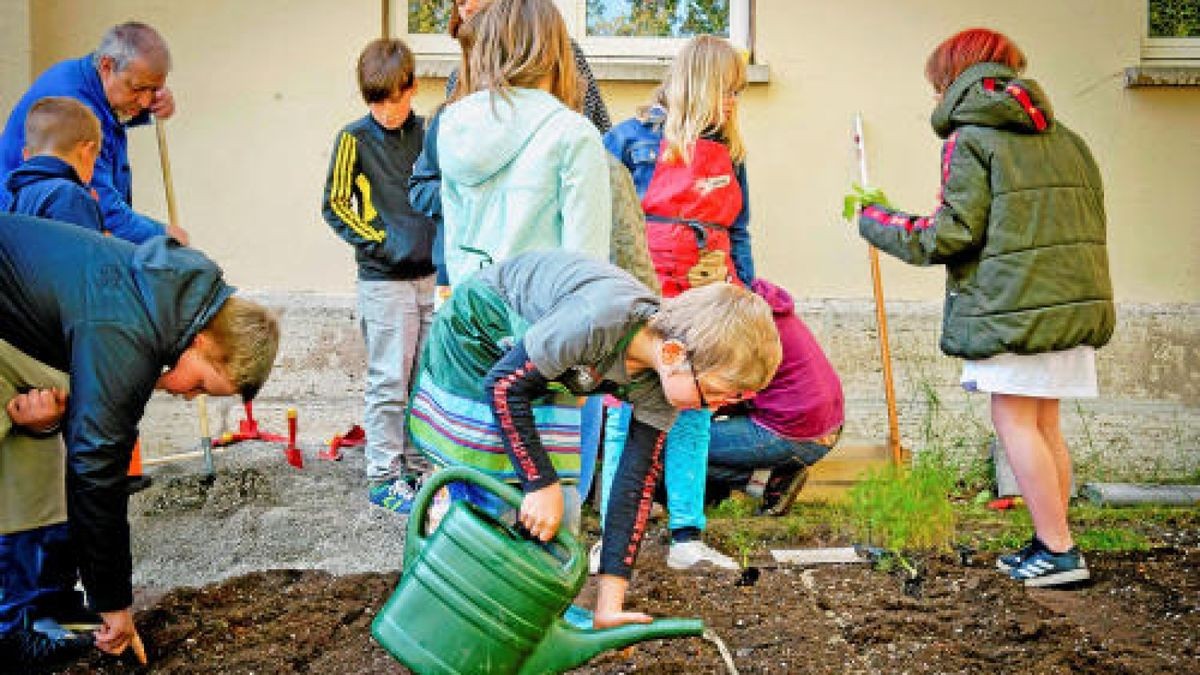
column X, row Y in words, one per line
column 885, row 353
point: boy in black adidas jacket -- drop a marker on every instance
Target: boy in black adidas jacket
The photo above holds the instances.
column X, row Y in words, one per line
column 366, row 203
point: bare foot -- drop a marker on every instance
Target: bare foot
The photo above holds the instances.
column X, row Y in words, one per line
column 619, row 619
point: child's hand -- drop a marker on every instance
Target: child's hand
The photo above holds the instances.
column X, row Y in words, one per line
column 859, row 197
column 542, row 511
column 38, row 410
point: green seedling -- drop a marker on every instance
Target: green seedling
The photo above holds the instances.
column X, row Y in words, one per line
column 907, row 509
column 859, row 197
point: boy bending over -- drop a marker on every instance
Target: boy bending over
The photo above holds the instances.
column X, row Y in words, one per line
column 556, row 320
column 114, row 321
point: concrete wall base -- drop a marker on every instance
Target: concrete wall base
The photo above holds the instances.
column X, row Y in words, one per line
column 1145, row 425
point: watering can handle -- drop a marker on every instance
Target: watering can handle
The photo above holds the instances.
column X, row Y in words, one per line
column 415, row 539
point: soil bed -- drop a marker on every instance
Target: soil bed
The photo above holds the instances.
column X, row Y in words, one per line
column 1141, row 615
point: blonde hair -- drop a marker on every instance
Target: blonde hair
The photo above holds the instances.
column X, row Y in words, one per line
column 704, row 72
column 521, row 43
column 245, row 336
column 727, row 330
column 57, row 124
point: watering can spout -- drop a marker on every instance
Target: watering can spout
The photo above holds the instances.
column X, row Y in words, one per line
column 566, row 647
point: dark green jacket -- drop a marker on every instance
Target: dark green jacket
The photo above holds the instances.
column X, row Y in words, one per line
column 1020, row 226
column 112, row 315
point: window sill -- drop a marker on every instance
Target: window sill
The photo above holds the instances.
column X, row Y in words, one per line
column 1162, row 76
column 610, row 69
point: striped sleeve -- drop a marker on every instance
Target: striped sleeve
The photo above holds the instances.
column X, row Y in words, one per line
column 347, row 200
column 957, row 226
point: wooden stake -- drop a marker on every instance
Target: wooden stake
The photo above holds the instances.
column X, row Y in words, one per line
column 885, row 352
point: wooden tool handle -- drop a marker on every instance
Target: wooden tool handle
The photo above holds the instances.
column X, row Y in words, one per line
column 165, row 160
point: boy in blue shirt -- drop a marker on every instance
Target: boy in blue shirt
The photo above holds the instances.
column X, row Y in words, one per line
column 366, row 203
column 62, row 141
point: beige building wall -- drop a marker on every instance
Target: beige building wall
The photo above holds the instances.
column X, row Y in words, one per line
column 15, row 57
column 263, row 86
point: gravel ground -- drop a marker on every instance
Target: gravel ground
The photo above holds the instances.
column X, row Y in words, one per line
column 259, row 514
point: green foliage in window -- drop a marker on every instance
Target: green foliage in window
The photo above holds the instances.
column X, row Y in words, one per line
column 429, row 16
column 657, row 18
column 1174, row 18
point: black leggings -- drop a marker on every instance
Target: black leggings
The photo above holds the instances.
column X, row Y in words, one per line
column 512, row 384
column 632, row 495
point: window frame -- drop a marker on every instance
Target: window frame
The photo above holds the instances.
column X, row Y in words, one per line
column 1161, row 50
column 1167, row 50
column 574, row 13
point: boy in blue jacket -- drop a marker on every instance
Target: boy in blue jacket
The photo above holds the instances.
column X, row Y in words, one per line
column 366, row 203
column 62, row 141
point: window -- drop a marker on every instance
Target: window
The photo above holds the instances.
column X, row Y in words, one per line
column 1172, row 31
column 606, row 28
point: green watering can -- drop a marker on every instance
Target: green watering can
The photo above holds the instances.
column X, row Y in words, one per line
column 478, row 597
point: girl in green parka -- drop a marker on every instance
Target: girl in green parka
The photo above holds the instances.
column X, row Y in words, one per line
column 1021, row 230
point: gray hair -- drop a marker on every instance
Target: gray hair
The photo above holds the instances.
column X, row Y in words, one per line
column 131, row 40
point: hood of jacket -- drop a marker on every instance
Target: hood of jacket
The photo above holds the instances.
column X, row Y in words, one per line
column 179, row 286
column 479, row 135
column 39, row 168
column 992, row 95
column 781, row 301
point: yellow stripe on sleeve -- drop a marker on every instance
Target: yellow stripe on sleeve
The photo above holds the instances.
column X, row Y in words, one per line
column 341, row 193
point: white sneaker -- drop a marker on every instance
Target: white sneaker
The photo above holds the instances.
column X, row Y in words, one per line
column 594, row 558
column 692, row 553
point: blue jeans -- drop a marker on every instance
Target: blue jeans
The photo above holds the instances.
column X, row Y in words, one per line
column 687, row 452
column 37, row 576
column 589, row 443
column 739, row 446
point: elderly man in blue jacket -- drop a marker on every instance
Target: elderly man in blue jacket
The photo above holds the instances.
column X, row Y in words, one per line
column 123, row 82
column 89, row 327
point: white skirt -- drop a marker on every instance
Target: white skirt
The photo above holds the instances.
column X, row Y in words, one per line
column 1070, row 373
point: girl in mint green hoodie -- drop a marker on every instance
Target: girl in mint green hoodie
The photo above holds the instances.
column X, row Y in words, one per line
column 521, row 169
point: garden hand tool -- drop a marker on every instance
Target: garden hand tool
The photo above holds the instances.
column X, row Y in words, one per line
column 173, row 219
column 291, row 452
column 354, row 438
column 248, row 431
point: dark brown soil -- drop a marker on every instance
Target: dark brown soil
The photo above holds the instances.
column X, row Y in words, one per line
column 1141, row 615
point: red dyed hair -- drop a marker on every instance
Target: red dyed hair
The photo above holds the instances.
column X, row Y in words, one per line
column 965, row 49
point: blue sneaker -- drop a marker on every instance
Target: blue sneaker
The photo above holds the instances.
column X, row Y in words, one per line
column 395, row 495
column 1010, row 561
column 1045, row 569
